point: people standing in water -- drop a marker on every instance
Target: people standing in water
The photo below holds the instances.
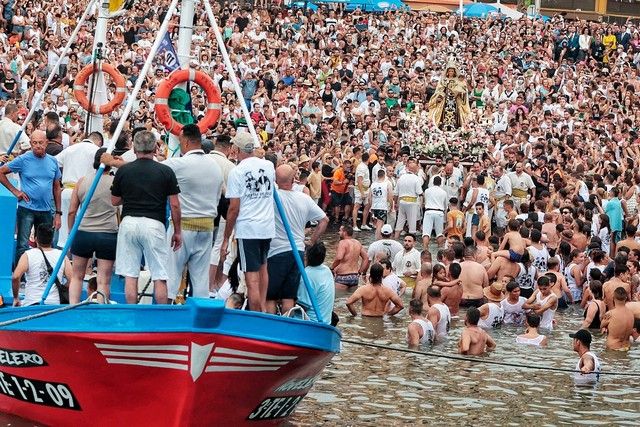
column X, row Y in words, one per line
column 492, row 313
column 544, row 303
column 596, row 309
column 351, row 260
column 618, row 322
column 474, row 340
column 374, row 297
column 531, row 335
column 438, row 313
column 588, row 366
column 513, row 305
column 420, row 330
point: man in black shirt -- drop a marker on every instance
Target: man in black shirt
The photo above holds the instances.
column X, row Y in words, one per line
column 142, row 188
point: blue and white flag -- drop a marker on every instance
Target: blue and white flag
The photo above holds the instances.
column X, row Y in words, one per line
column 166, row 55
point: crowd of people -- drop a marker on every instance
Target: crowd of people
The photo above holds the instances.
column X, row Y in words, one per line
column 544, row 216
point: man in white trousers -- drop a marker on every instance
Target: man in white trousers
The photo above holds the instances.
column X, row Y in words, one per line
column 200, row 180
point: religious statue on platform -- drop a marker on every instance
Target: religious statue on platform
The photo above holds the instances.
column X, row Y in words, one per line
column 449, row 106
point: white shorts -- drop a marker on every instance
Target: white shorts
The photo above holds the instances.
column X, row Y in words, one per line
column 140, row 236
column 433, row 220
column 358, row 199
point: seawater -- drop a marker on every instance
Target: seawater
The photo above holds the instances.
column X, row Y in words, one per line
column 369, row 386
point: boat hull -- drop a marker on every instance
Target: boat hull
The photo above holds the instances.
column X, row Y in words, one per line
column 161, row 378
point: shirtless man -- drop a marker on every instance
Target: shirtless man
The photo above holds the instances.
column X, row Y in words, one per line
column 621, row 279
column 452, row 291
column 438, row 314
column 420, row 330
column 474, row 278
column 630, row 241
column 474, row 341
column 549, row 230
column 634, row 306
column 483, row 253
column 347, row 266
column 501, row 267
column 515, row 242
column 559, row 285
column 618, row 322
column 374, row 296
column 420, row 290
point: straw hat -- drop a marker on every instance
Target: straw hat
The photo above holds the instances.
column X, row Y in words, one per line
column 495, row 292
column 304, row 158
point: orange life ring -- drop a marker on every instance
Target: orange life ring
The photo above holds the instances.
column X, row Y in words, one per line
column 163, row 113
column 80, row 91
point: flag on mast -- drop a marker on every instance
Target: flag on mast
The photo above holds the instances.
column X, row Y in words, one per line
column 166, row 55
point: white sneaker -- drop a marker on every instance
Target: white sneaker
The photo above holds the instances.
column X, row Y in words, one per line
column 356, row 228
column 365, row 227
column 213, row 294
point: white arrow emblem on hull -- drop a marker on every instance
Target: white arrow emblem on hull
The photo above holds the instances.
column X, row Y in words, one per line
column 194, row 358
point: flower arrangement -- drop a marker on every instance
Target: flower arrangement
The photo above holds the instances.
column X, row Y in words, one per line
column 428, row 142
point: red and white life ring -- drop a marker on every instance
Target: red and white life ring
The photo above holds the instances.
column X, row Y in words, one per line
column 163, row 113
column 80, row 90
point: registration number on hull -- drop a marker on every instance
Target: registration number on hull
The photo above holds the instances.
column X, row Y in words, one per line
column 45, row 393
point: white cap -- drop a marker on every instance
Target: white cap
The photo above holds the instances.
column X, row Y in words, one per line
column 386, row 229
column 244, row 142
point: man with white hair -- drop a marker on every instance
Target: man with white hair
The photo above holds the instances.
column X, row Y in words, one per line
column 250, row 187
column 142, row 187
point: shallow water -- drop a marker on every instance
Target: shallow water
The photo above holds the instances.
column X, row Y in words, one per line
column 367, row 386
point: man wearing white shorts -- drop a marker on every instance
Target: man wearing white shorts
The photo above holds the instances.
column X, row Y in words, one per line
column 142, row 188
column 361, row 193
column 435, row 206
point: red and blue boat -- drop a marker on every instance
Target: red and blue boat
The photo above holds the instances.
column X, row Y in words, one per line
column 197, row 364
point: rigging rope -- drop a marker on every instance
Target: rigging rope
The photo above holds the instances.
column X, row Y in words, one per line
column 479, row 360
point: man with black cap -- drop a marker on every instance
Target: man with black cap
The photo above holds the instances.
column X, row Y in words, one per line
column 200, row 181
column 588, row 367
column 220, row 154
column 250, row 187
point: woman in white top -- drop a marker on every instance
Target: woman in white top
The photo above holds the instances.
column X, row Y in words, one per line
column 32, row 264
column 531, row 336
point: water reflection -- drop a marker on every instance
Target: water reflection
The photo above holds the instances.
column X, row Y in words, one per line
column 366, row 386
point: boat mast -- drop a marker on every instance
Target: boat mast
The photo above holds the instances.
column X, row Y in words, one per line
column 97, row 85
column 185, row 36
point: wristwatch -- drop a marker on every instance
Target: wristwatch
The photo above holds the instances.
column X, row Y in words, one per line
column 58, row 212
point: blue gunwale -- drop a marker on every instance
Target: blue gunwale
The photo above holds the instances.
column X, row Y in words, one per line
column 197, row 316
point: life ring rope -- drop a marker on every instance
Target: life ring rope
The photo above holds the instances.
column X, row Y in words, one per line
column 161, row 104
column 80, row 89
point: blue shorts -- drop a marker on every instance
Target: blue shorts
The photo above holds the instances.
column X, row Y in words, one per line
column 103, row 245
column 284, row 276
column 253, row 254
column 514, row 256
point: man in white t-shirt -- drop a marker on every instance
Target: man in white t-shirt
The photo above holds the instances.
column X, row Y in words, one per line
column 284, row 275
column 386, row 247
column 76, row 161
column 250, row 188
column 200, row 179
column 361, row 193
